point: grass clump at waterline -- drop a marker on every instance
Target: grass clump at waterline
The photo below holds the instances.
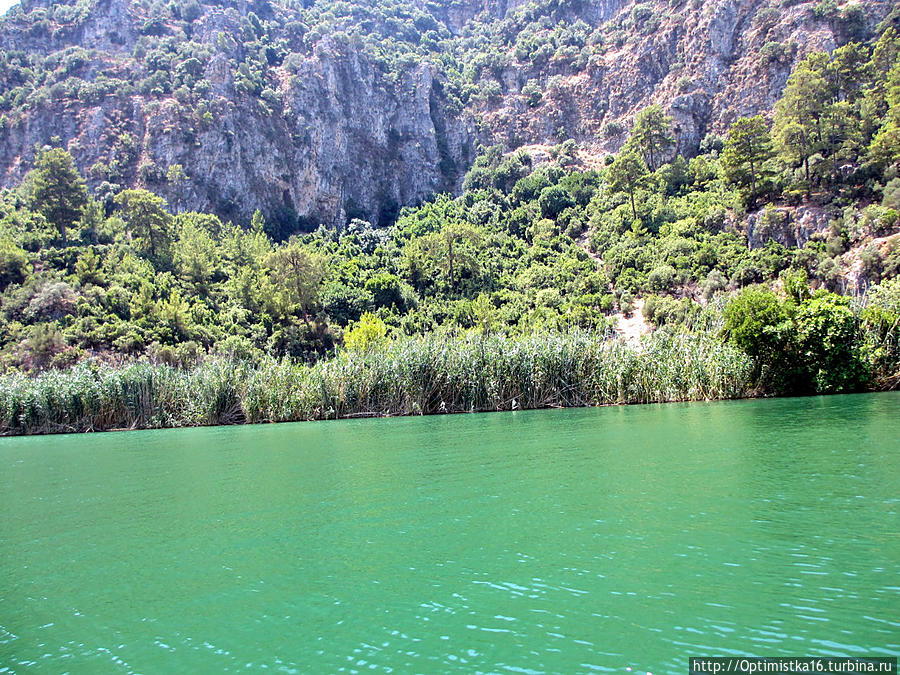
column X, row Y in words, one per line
column 407, row 376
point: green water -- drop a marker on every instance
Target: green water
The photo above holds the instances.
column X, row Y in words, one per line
column 549, row 541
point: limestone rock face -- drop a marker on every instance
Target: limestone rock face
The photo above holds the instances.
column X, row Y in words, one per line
column 328, row 132
column 789, row 226
column 343, row 140
column 707, row 63
column 347, row 147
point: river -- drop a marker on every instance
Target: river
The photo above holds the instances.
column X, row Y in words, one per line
column 581, row 540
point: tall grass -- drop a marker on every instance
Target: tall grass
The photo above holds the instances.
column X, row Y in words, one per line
column 412, row 376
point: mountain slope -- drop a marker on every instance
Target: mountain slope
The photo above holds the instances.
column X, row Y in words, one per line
column 324, row 113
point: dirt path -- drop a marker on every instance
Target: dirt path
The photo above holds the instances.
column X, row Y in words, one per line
column 631, row 328
column 583, row 242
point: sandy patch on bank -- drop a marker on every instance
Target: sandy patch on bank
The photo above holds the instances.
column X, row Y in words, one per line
column 632, row 327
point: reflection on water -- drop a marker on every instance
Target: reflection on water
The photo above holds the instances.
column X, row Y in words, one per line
column 551, row 541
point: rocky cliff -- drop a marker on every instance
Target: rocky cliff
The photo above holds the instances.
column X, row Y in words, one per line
column 334, row 139
column 707, row 63
column 322, row 113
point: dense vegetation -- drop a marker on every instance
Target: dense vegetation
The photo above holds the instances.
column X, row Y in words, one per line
column 714, row 245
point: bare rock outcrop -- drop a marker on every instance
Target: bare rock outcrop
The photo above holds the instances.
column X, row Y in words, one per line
column 316, row 128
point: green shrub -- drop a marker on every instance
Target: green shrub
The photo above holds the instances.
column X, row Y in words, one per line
column 532, row 93
column 827, row 339
column 757, row 322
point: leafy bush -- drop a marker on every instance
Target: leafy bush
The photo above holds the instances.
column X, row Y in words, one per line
column 53, row 300
column 662, row 278
column 532, row 93
column 365, row 334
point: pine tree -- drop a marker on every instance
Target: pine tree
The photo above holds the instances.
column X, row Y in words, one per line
column 798, row 114
column 149, row 222
column 884, row 150
column 842, row 140
column 59, row 191
column 627, row 173
column 297, row 274
column 651, row 134
column 849, row 70
column 748, row 145
column 874, row 105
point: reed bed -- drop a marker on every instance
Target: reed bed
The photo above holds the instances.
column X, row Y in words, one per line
column 410, row 376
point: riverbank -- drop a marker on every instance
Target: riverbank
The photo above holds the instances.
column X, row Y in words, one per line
column 412, row 376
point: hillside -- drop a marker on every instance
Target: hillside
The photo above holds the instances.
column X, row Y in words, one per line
column 763, row 259
column 323, row 112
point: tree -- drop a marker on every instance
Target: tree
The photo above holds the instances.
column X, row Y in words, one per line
column 748, row 145
column 44, row 342
column 492, row 170
column 675, row 176
column 244, row 248
column 450, row 250
column 344, row 303
column 149, row 223
column 386, row 290
column 195, row 257
column 297, row 274
column 89, row 269
column 484, row 314
column 52, row 301
column 757, row 322
column 885, row 147
column 662, row 278
column 652, row 134
column 13, row 263
column 874, row 105
column 849, row 70
column 173, row 318
column 178, row 179
column 367, row 332
column 798, row 114
column 841, row 139
column 627, row 173
column 59, row 191
column 826, row 335
column 884, row 150
column 258, row 222
column 93, row 223
column 554, row 200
